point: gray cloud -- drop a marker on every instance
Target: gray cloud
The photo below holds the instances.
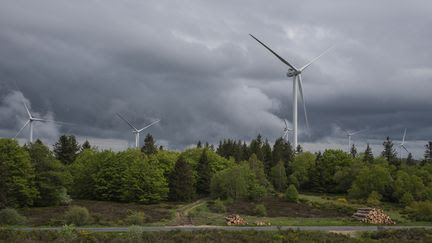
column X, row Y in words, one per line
column 192, row 64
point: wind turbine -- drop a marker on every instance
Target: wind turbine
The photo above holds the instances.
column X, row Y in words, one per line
column 295, row 73
column 135, row 130
column 30, row 121
column 350, row 134
column 286, row 131
column 402, row 144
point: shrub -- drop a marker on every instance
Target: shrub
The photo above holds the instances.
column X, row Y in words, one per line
column 136, row 218
column 219, row 206
column 68, row 233
column 291, row 194
column 342, row 200
column 77, row 215
column 374, row 198
column 421, row 211
column 407, row 199
column 135, row 233
column 260, row 210
column 10, row 216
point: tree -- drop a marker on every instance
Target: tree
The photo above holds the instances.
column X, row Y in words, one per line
column 372, row 178
column 299, row 169
column 428, row 152
column 149, row 145
column 278, row 176
column 181, row 182
column 66, row 149
column 204, row 174
column 85, row 145
column 16, row 176
column 51, row 176
column 291, row 194
column 199, row 145
column 368, row 156
column 282, row 150
column 389, row 152
column 410, row 160
column 353, row 151
column 299, row 149
column 258, row 169
column 256, row 147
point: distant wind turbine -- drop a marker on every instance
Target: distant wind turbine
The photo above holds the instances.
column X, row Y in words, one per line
column 286, row 131
column 135, row 130
column 350, row 134
column 295, row 73
column 402, row 144
column 30, row 121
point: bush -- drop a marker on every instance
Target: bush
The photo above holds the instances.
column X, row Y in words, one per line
column 342, row 200
column 77, row 215
column 260, row 210
column 136, row 218
column 421, row 211
column 291, row 195
column 407, row 199
column 68, row 233
column 10, row 216
column 135, row 233
column 374, row 198
column 219, row 206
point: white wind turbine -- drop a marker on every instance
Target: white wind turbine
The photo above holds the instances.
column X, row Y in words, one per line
column 350, row 134
column 135, row 130
column 295, row 73
column 30, row 121
column 402, row 144
column 286, row 131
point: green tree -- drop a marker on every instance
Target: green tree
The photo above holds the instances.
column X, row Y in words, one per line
column 204, row 174
column 256, row 147
column 291, row 194
column 353, row 151
column 86, row 145
column 299, row 169
column 16, row 176
column 199, row 145
column 368, row 156
column 51, row 177
column 410, row 160
column 299, row 149
column 282, row 150
column 149, row 145
column 182, row 182
column 389, row 152
column 372, row 178
column 278, row 176
column 428, row 152
column 66, row 149
column 406, row 182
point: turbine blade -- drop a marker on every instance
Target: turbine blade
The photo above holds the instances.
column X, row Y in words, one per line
column 149, row 125
column 316, row 58
column 124, row 119
column 28, row 121
column 403, row 138
column 274, row 53
column 403, row 146
column 27, row 109
column 354, row 133
column 52, row 121
column 302, row 98
column 286, row 123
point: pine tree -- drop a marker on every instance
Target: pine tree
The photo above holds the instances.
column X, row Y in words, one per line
column 66, row 149
column 256, row 147
column 278, row 176
column 428, row 152
column 389, row 152
column 204, row 174
column 368, row 156
column 267, row 157
column 85, row 145
column 199, row 145
column 149, row 145
column 299, row 149
column 410, row 160
column 181, row 182
column 353, row 151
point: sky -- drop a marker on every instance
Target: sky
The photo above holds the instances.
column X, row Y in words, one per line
column 193, row 65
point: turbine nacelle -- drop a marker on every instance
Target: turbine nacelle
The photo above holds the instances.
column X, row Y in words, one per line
column 292, row 72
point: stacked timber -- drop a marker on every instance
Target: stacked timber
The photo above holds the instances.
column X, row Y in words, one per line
column 234, row 219
column 372, row 216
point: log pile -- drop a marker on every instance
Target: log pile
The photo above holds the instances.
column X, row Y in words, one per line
column 234, row 219
column 372, row 216
column 261, row 223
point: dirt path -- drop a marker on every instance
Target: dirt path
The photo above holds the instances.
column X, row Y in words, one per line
column 182, row 214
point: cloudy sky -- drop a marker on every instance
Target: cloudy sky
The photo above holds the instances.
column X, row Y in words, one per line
column 193, row 64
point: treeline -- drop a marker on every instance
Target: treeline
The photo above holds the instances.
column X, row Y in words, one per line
column 33, row 175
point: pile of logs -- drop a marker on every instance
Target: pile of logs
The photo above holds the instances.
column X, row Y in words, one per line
column 261, row 223
column 372, row 216
column 234, row 219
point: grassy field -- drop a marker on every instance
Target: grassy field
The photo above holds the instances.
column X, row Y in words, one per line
column 312, row 210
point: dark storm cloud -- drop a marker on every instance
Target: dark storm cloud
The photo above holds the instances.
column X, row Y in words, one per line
column 192, row 64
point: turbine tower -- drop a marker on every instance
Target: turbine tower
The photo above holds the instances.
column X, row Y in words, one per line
column 402, row 144
column 286, row 131
column 295, row 73
column 135, row 130
column 30, row 121
column 350, row 134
